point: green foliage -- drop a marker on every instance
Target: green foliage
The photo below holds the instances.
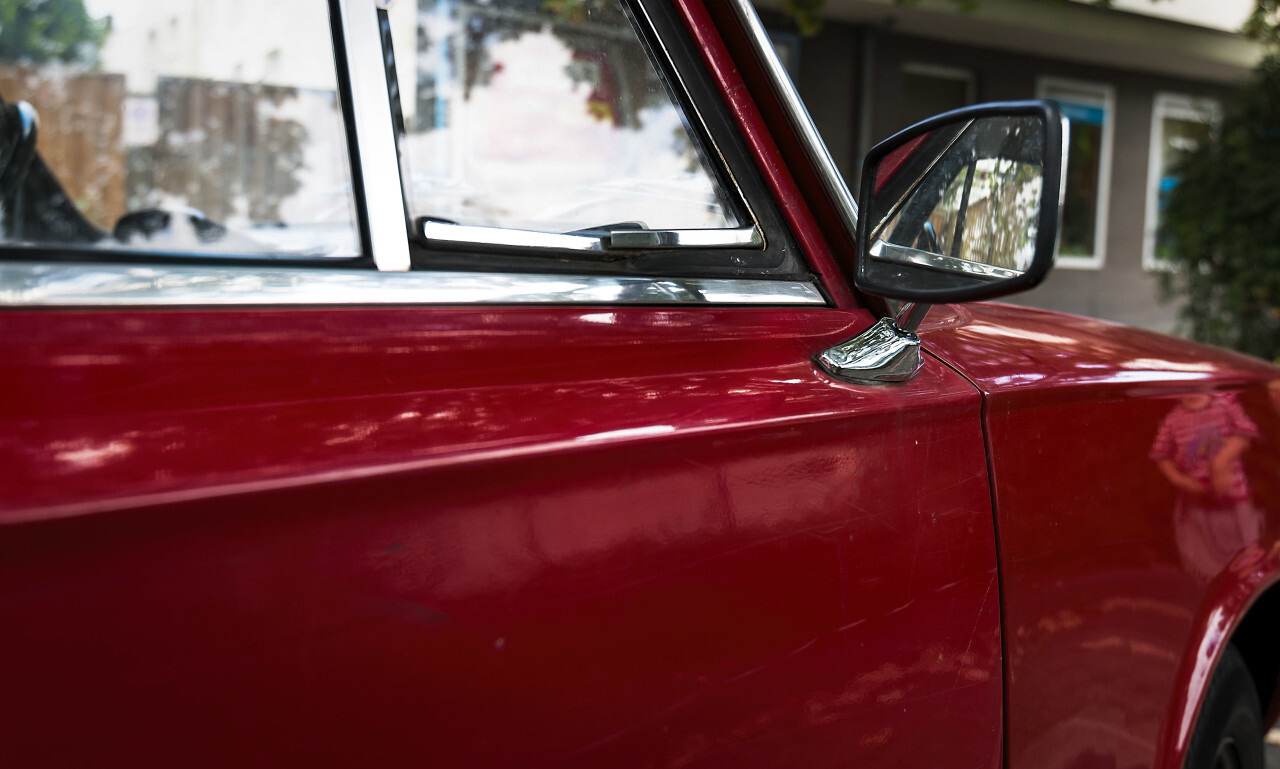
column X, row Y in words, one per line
column 1263, row 23
column 40, row 31
column 1224, row 223
column 805, row 14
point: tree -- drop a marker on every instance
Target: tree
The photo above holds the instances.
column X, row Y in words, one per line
column 1263, row 23
column 39, row 31
column 621, row 82
column 223, row 149
column 1224, row 224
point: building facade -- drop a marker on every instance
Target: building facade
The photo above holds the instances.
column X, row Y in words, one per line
column 1138, row 90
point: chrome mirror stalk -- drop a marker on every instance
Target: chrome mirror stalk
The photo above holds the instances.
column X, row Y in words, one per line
column 886, row 352
column 911, row 315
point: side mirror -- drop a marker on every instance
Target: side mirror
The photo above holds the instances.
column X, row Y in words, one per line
column 964, row 206
column 961, row 207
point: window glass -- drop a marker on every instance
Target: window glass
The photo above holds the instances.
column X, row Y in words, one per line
column 1179, row 125
column 544, row 116
column 1088, row 108
column 175, row 126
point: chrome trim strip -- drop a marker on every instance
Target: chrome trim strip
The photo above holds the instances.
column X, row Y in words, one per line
column 375, row 137
column 31, row 284
column 448, row 233
column 798, row 115
column 892, row 252
column 743, row 237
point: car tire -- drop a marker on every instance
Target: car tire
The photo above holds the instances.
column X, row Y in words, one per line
column 1228, row 733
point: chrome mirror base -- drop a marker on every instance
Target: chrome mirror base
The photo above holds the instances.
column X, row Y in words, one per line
column 886, row 352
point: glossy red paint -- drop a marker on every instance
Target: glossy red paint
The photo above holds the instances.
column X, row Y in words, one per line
column 1114, row 615
column 487, row 537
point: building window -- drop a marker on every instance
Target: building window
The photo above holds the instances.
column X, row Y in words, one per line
column 1090, row 109
column 1179, row 125
column 928, row 90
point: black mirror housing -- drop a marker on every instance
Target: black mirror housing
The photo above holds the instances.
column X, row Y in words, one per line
column 964, row 206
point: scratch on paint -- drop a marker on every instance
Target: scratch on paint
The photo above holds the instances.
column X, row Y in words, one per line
column 676, row 706
column 844, row 598
column 977, row 620
column 941, row 490
column 915, row 558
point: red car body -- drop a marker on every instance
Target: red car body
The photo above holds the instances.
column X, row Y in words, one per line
column 588, row 535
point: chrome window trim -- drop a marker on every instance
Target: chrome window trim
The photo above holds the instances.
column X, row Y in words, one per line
column 375, row 137
column 798, row 115
column 44, row 284
column 741, row 237
column 449, row 233
column 892, row 252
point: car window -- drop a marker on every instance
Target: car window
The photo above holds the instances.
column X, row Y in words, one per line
column 178, row 127
column 545, row 116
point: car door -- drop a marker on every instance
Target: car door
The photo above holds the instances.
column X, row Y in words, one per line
column 361, row 434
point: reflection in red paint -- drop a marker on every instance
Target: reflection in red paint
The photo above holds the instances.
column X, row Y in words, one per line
column 1198, row 449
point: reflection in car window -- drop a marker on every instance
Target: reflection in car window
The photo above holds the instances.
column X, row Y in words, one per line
column 981, row 202
column 544, row 116
column 998, row 209
column 176, row 127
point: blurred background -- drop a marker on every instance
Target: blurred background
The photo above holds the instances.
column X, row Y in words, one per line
column 1166, row 226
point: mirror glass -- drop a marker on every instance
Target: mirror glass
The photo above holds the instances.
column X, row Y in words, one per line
column 963, row 198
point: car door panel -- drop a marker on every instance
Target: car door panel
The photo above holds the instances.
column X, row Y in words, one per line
column 488, row 535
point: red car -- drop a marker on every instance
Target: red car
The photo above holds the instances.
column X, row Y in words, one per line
column 515, row 383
